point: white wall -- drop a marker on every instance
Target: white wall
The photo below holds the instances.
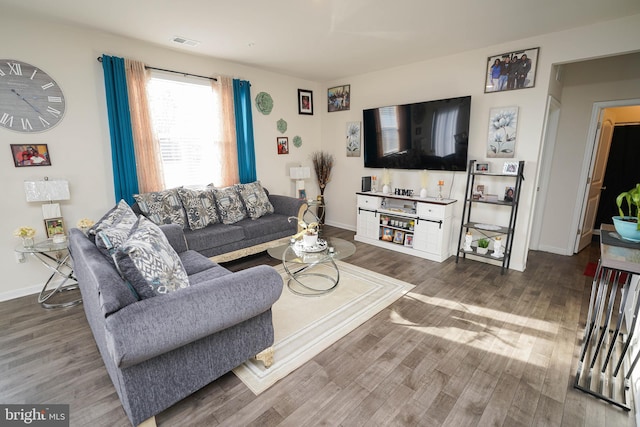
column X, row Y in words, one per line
column 80, row 144
column 459, row 75
column 585, row 83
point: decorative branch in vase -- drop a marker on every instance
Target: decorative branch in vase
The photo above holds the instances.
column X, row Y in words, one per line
column 322, row 165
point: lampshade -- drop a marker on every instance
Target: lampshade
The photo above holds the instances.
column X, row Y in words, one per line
column 47, row 190
column 302, row 172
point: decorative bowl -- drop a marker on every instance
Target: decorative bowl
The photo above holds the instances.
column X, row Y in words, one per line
column 627, row 227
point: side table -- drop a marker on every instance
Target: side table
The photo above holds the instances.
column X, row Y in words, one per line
column 605, row 366
column 55, row 257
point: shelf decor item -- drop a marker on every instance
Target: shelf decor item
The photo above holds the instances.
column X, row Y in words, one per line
column 386, row 181
column 322, row 165
column 628, row 226
column 424, row 181
column 468, row 238
column 497, row 248
column 483, row 246
column 26, row 234
column 85, row 224
column 510, row 168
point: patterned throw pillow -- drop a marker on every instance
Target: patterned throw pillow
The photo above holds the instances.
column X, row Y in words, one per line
column 162, row 207
column 200, row 207
column 149, row 262
column 121, row 214
column 255, row 199
column 229, row 205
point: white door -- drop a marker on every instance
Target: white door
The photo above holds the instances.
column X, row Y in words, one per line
column 595, row 184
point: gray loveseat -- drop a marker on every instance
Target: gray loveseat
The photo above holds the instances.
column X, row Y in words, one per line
column 159, row 350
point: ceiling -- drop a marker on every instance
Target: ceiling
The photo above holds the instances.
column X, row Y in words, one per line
column 323, row 40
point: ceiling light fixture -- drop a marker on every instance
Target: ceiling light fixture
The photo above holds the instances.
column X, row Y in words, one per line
column 185, row 41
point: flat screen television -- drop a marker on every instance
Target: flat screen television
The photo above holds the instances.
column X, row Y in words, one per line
column 431, row 135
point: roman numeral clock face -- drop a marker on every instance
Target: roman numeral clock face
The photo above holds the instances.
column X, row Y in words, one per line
column 30, row 100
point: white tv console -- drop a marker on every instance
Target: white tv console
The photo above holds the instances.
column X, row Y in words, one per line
column 414, row 226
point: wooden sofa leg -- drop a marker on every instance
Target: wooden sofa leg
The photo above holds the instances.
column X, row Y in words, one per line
column 266, row 356
column 149, row 422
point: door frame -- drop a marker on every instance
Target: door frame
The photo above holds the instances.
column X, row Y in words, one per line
column 550, row 133
column 588, row 164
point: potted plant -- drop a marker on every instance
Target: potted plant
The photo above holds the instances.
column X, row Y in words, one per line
column 483, row 246
column 628, row 226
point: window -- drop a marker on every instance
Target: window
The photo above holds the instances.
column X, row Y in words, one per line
column 186, row 117
column 389, row 129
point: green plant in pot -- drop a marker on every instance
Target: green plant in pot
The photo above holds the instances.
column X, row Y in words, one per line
column 483, row 246
column 628, row 226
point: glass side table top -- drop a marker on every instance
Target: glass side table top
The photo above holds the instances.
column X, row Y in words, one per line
column 336, row 249
column 43, row 247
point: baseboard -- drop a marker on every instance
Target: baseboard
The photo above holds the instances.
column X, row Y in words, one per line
column 18, row 293
column 340, row 225
column 554, row 250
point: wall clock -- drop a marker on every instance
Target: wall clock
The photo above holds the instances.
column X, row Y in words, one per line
column 30, row 100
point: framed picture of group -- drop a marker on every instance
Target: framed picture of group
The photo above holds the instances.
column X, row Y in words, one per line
column 511, row 70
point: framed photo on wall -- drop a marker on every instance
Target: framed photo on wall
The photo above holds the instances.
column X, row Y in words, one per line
column 339, row 98
column 305, row 101
column 511, row 70
column 503, row 132
column 353, row 139
column 30, row 155
column 283, row 145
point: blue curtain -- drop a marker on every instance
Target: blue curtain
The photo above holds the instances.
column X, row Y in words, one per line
column 244, row 131
column 123, row 158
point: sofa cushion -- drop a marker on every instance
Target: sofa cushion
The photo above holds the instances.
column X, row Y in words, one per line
column 148, row 261
column 213, row 236
column 267, row 225
column 199, row 206
column 229, row 204
column 121, row 214
column 255, row 199
column 162, row 207
column 207, row 275
column 194, row 262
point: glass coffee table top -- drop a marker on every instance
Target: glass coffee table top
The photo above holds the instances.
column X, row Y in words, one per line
column 313, row 273
column 336, row 249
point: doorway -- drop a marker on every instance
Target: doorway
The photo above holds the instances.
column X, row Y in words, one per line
column 622, row 171
column 623, row 112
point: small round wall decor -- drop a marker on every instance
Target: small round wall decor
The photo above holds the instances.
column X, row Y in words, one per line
column 264, row 103
column 297, row 141
column 282, row 126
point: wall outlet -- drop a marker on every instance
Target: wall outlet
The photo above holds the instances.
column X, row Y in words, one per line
column 20, row 257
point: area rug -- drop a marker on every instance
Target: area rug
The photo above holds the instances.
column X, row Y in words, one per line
column 305, row 326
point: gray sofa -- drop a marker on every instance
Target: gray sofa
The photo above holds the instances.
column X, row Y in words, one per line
column 226, row 242
column 161, row 349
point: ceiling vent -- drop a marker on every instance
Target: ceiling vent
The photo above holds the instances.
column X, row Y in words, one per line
column 185, row 41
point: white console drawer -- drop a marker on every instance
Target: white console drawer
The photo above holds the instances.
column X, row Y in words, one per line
column 430, row 210
column 372, row 202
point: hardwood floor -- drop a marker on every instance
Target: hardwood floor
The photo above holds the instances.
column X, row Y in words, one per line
column 466, row 347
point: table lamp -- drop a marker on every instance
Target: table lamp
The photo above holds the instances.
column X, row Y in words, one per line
column 300, row 174
column 47, row 191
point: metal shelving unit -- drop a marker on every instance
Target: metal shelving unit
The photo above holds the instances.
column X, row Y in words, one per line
column 496, row 229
